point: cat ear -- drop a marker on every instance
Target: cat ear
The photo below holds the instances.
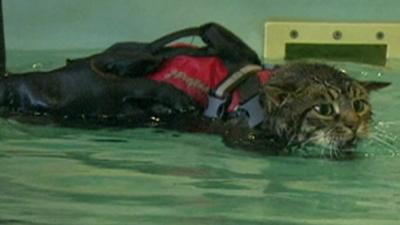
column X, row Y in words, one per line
column 374, row 85
column 276, row 95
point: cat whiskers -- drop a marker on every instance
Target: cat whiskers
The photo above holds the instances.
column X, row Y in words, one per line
column 291, row 145
column 334, row 148
column 393, row 122
column 331, row 143
column 324, row 142
column 384, row 135
column 382, row 139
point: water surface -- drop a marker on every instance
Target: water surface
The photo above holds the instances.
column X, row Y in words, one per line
column 63, row 176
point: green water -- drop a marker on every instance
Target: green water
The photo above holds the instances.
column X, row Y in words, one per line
column 52, row 175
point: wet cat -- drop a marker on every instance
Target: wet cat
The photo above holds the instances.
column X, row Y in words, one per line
column 303, row 103
column 313, row 104
column 155, row 84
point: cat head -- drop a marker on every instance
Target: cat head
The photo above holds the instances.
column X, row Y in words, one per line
column 318, row 104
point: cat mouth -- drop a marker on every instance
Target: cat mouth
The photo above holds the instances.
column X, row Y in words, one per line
column 348, row 145
column 346, row 149
column 338, row 143
column 335, row 147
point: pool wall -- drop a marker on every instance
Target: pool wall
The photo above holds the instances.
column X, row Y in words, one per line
column 94, row 24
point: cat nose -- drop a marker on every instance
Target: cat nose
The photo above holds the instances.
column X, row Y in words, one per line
column 352, row 126
column 351, row 120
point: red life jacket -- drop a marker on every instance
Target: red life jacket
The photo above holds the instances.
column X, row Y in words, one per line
column 196, row 76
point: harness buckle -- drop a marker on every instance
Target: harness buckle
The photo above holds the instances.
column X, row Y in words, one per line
column 215, row 108
column 217, row 99
column 253, row 111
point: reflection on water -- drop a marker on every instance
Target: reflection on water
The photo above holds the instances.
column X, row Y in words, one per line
column 52, row 175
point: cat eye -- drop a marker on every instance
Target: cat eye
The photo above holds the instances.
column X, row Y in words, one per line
column 324, row 109
column 359, row 106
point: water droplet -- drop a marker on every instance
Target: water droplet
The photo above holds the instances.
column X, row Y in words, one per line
column 251, row 136
column 154, row 118
column 37, row 66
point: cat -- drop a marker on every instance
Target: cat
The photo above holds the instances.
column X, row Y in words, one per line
column 310, row 104
column 301, row 104
column 304, row 104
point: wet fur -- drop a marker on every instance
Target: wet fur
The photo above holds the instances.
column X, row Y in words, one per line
column 290, row 98
column 77, row 95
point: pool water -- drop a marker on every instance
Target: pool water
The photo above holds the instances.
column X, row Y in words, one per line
column 63, row 176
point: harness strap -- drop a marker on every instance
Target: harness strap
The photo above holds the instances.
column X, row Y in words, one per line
column 235, row 79
column 250, row 108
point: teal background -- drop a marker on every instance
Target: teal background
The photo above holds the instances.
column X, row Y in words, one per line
column 61, row 176
column 93, row 24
